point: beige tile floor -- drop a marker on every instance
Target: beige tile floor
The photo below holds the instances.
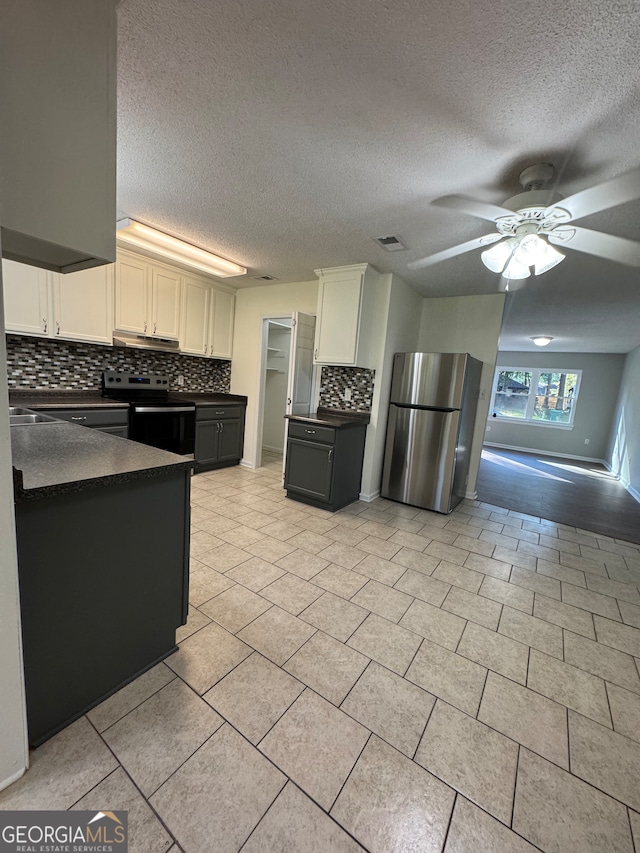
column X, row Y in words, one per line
column 381, row 679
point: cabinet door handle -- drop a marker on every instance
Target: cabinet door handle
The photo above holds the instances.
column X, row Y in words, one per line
column 154, row 328
column 310, row 431
column 218, row 427
column 219, row 413
column 44, row 324
column 57, row 328
column 221, row 427
column 77, row 419
column 145, row 327
column 315, row 354
column 330, row 456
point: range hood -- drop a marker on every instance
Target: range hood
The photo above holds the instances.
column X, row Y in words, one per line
column 126, row 339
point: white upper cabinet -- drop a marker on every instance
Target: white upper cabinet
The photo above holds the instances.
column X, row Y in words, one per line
column 26, row 299
column 132, row 294
column 147, row 297
column 221, row 324
column 165, row 303
column 76, row 306
column 207, row 319
column 83, row 304
column 346, row 297
column 194, row 331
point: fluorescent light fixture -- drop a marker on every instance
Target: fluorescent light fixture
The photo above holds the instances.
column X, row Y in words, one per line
column 542, row 340
column 514, row 256
column 149, row 239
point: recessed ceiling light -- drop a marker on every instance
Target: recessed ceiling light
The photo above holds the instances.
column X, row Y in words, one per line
column 542, row 340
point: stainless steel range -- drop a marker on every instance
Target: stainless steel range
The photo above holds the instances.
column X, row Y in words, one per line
column 155, row 418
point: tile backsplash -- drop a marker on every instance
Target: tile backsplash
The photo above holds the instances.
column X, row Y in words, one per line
column 40, row 363
column 335, row 380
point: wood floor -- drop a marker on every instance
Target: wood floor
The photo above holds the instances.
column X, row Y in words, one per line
column 580, row 494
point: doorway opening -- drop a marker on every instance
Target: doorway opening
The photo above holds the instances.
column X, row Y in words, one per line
column 287, row 382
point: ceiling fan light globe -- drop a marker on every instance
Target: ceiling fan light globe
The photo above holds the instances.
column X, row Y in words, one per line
column 515, row 270
column 531, row 250
column 496, row 257
column 552, row 257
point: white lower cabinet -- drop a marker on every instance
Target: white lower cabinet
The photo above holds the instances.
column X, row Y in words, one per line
column 207, row 319
column 76, row 306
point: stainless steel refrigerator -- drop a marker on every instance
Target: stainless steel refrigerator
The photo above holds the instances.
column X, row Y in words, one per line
column 432, row 410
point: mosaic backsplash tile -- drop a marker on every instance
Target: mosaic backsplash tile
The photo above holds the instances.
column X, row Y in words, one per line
column 38, row 363
column 335, row 380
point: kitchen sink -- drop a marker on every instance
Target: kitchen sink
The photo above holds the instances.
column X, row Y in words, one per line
column 20, row 417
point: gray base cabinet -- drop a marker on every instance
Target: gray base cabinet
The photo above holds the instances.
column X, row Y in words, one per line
column 219, row 436
column 111, row 421
column 104, row 575
column 324, row 464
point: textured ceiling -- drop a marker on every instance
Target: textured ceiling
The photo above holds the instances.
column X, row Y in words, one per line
column 286, row 135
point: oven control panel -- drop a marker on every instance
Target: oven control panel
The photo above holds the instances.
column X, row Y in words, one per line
column 114, row 379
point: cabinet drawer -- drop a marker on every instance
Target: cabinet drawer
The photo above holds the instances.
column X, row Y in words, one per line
column 91, row 417
column 312, row 432
column 217, row 413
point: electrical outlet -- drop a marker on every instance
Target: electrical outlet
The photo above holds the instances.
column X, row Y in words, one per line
column 347, row 395
column 586, row 441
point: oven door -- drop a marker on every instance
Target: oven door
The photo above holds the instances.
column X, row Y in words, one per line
column 171, row 428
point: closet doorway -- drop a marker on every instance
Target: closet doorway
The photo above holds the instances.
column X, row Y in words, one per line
column 287, row 381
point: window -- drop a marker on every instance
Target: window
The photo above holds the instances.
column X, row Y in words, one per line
column 538, row 396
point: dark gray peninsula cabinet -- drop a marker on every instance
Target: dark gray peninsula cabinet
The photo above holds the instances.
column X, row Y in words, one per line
column 103, row 556
column 325, row 452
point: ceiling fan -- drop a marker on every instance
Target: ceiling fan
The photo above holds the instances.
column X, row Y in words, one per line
column 530, row 224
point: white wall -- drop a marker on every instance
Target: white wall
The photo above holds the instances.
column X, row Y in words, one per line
column 466, row 324
column 13, row 727
column 594, row 406
column 253, row 304
column 624, row 443
column 398, row 311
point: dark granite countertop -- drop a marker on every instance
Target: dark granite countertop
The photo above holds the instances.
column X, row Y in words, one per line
column 338, row 418
column 63, row 400
column 206, row 398
column 59, row 457
column 93, row 399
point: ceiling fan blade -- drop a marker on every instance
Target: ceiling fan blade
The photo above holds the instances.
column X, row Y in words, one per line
column 602, row 196
column 597, row 243
column 460, row 249
column 480, row 209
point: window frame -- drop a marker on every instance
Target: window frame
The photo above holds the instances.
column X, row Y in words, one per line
column 535, row 378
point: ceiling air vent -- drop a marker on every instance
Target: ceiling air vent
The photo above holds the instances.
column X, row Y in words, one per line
column 264, row 278
column 390, row 244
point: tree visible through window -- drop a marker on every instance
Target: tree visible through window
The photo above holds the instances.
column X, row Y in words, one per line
column 536, row 395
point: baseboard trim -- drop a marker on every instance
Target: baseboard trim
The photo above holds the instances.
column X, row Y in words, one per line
column 545, row 452
column 370, row 497
column 471, row 496
column 635, row 494
column 272, row 449
column 246, row 463
column 14, row 778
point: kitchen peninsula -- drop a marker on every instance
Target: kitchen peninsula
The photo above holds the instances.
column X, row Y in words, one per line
column 103, row 537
